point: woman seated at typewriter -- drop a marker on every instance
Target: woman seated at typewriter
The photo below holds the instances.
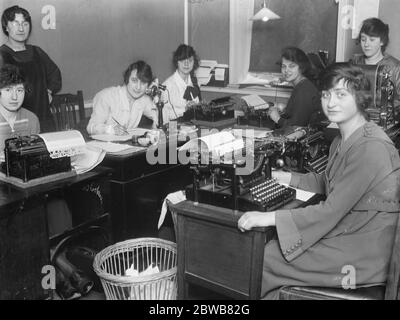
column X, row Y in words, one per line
column 355, row 225
column 374, row 38
column 304, row 100
column 182, row 87
column 118, row 109
column 14, row 120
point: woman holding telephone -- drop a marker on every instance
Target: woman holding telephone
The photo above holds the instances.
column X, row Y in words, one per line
column 304, row 100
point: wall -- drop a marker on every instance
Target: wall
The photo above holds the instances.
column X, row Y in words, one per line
column 389, row 11
column 95, row 40
column 209, row 29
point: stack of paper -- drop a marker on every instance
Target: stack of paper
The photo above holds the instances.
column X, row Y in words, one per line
column 87, row 160
column 206, row 68
column 256, row 102
column 203, row 73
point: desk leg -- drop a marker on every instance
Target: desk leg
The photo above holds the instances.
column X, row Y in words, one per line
column 182, row 285
column 257, row 265
column 118, row 210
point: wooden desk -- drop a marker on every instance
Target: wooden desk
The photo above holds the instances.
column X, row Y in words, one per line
column 213, row 253
column 24, row 239
column 138, row 189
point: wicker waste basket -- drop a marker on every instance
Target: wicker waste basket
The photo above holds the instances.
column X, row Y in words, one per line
column 112, row 263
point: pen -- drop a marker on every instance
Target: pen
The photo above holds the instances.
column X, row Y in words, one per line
column 123, row 128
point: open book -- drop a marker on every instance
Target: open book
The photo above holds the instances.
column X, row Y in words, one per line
column 218, row 144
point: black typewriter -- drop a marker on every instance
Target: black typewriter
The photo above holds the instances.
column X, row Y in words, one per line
column 213, row 111
column 27, row 158
column 220, row 184
column 304, row 150
column 256, row 117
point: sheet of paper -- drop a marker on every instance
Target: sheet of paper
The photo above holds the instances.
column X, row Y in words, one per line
column 112, row 137
column 203, row 80
column 208, row 63
column 303, row 195
column 218, row 143
column 63, row 143
column 219, row 74
column 87, row 160
column 255, row 101
column 261, row 78
column 203, row 72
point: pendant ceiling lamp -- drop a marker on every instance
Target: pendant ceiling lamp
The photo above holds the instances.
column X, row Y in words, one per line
column 265, row 14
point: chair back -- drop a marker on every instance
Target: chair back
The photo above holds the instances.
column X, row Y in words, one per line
column 393, row 281
column 67, row 110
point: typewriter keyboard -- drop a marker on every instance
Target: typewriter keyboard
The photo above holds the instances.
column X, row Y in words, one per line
column 270, row 194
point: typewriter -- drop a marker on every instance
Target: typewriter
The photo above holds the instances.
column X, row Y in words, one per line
column 303, row 150
column 256, row 117
column 214, row 111
column 27, row 158
column 382, row 110
column 221, row 185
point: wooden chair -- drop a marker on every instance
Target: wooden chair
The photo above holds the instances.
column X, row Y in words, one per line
column 68, row 111
column 390, row 291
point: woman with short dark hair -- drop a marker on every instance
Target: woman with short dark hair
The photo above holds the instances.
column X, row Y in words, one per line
column 304, row 100
column 182, row 88
column 374, row 38
column 355, row 225
column 12, row 94
column 42, row 74
column 118, row 109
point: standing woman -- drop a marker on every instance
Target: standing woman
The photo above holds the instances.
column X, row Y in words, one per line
column 374, row 38
column 182, row 87
column 42, row 74
column 304, row 100
column 355, row 226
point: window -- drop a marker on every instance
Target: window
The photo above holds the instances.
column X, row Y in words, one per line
column 310, row 25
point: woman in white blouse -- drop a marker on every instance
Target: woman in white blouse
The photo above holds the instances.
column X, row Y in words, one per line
column 116, row 110
column 182, row 87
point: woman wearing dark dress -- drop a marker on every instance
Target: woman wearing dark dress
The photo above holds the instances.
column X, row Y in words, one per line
column 374, row 38
column 42, row 74
column 304, row 100
column 355, row 226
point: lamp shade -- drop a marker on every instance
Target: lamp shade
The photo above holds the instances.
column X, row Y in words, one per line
column 265, row 14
